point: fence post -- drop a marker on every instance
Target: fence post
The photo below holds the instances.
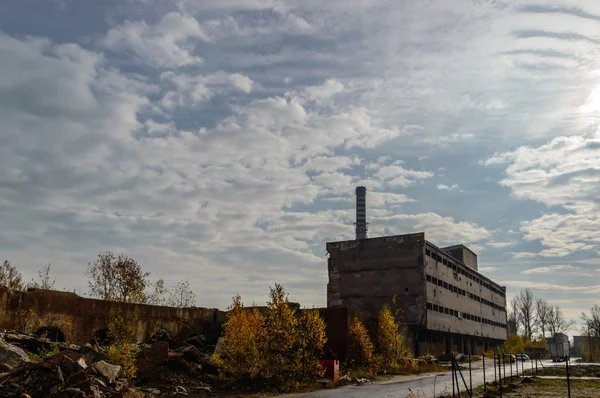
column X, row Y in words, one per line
column 483, row 358
column 510, row 363
column 517, row 367
column 495, row 374
column 470, row 376
column 504, row 364
column 536, row 361
column 453, row 395
column 500, row 374
column 568, row 375
column 531, row 359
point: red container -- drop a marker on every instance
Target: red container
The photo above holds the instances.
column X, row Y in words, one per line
column 333, row 368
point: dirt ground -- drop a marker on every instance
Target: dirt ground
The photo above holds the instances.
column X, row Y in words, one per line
column 574, row 370
column 536, row 387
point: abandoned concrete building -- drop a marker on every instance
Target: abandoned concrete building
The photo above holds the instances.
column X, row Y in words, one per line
column 447, row 305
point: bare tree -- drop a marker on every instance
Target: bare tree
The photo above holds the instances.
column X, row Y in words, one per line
column 157, row 295
column 11, row 277
column 511, row 316
column 117, row 278
column 182, row 296
column 45, row 281
column 544, row 312
column 592, row 321
column 557, row 322
column 526, row 312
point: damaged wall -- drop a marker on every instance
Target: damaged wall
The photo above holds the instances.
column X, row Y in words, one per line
column 79, row 318
column 366, row 274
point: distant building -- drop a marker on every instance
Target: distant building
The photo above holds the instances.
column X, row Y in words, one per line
column 446, row 303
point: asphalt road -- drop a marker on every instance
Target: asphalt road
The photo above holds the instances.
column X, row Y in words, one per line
column 424, row 385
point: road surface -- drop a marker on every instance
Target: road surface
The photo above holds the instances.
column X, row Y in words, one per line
column 429, row 385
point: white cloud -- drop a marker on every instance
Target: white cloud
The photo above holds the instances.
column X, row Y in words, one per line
column 190, row 91
column 167, row 44
column 548, row 269
column 501, row 245
column 563, row 172
column 398, row 176
column 488, row 269
column 443, row 187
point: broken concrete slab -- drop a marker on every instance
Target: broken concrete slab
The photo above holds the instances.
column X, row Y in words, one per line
column 12, row 355
column 107, row 370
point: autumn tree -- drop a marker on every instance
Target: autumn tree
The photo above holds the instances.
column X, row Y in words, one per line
column 182, row 296
column 281, row 323
column 390, row 342
column 361, row 350
column 310, row 338
column 242, row 350
column 117, row 278
column 10, row 277
column 45, row 281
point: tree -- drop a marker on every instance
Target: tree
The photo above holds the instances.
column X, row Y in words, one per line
column 117, row 278
column 242, row 350
column 526, row 312
column 182, row 296
column 11, row 277
column 157, row 295
column 360, row 348
column 281, row 324
column 512, row 318
column 557, row 322
column 390, row 343
column 45, row 281
column 311, row 339
column 544, row 312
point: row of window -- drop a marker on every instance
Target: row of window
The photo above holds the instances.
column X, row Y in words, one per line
column 448, row 311
column 462, row 292
column 467, row 274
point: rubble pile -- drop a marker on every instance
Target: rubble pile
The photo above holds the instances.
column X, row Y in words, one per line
column 164, row 367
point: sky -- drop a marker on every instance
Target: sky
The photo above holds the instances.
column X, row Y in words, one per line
column 220, row 142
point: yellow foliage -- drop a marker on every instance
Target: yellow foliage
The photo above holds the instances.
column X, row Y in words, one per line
column 121, row 350
column 390, row 342
column 311, row 337
column 243, row 340
column 281, row 324
column 284, row 344
column 123, row 354
column 361, row 350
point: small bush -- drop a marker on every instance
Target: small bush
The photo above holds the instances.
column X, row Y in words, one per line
column 42, row 353
column 123, row 354
column 121, row 350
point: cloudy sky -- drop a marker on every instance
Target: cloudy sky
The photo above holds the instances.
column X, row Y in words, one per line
column 220, row 141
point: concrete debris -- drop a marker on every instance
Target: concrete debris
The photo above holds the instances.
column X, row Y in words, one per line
column 62, row 375
column 186, row 368
column 11, row 355
column 362, row 381
column 108, row 371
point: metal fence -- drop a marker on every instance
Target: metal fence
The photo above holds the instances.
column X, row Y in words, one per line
column 518, row 367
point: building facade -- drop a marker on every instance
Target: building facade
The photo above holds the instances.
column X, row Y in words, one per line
column 447, row 305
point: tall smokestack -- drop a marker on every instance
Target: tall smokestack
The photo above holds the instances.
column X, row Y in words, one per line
column 361, row 213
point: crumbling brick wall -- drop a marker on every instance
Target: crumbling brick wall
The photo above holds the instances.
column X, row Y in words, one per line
column 79, row 318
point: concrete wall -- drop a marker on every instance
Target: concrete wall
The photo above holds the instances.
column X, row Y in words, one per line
column 79, row 318
column 366, row 274
column 474, row 285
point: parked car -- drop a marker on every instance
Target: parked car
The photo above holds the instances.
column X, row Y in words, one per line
column 522, row 357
